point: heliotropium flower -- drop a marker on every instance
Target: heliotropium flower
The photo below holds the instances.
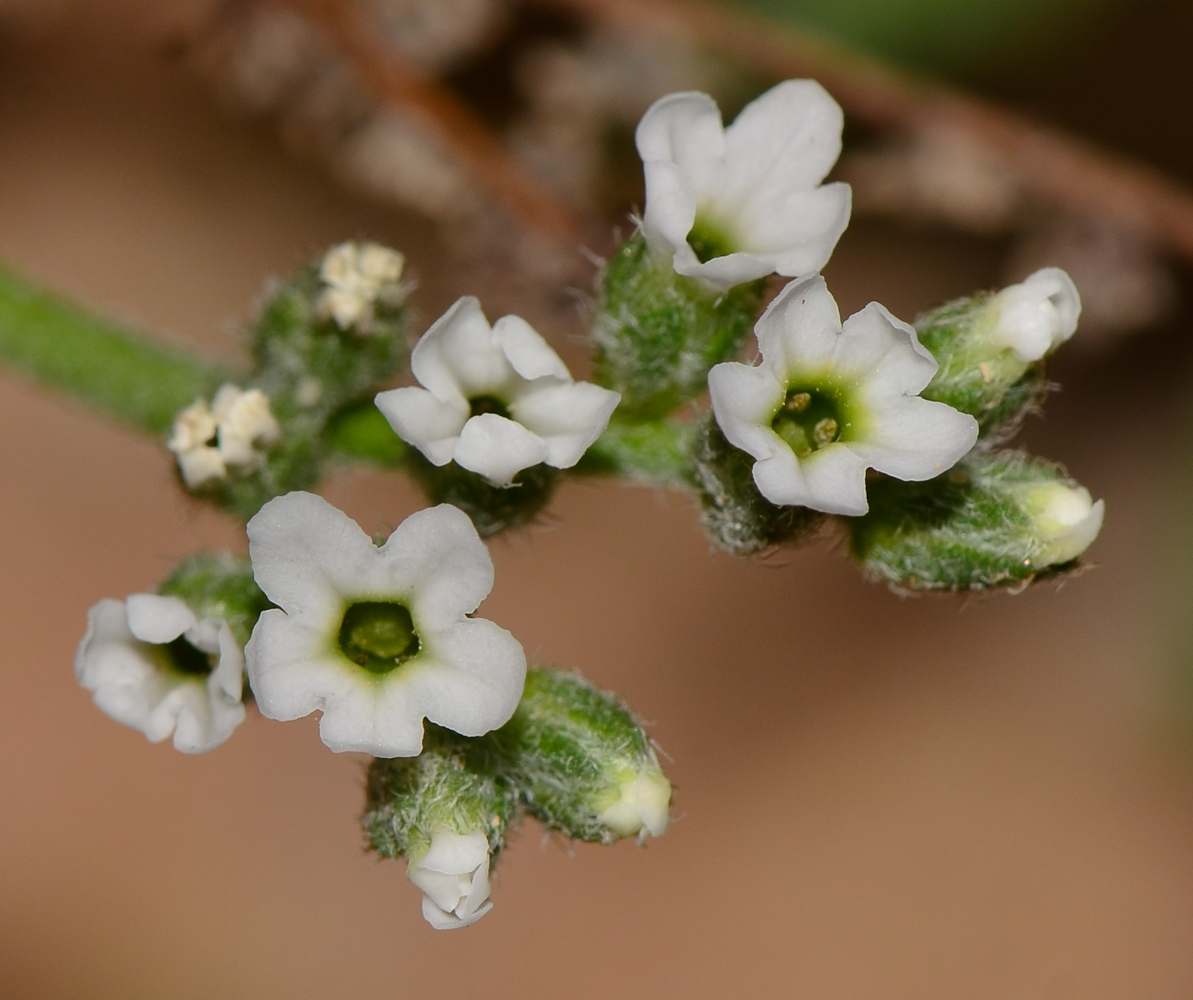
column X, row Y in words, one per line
column 1064, row 520
column 151, row 664
column 233, row 432
column 377, row 636
column 453, row 874
column 495, row 400
column 828, row 402
column 734, row 204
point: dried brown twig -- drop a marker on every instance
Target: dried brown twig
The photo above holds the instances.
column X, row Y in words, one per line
column 1049, row 166
column 396, row 82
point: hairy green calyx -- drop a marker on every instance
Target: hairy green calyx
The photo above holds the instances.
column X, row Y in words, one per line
column 378, row 635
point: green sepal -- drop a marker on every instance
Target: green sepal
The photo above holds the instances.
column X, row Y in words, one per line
column 457, row 782
column 969, row 529
column 658, row 333
column 735, row 515
column 493, row 509
column 572, row 745
column 991, row 384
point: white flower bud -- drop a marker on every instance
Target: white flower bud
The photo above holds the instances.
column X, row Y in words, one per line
column 453, row 874
column 1064, row 518
column 232, row 431
column 642, row 805
column 357, row 276
column 1036, row 316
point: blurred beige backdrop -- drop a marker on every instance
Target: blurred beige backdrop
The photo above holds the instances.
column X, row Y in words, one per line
column 876, row 797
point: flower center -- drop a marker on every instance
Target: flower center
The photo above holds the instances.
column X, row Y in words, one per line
column 378, row 635
column 708, row 240
column 809, row 419
column 487, row 404
column 183, row 658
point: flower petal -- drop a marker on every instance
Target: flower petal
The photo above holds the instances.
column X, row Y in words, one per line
column 498, row 448
column 376, row 718
column 526, row 350
column 721, row 272
column 307, row 555
column 670, row 210
column 884, row 353
column 685, row 129
column 916, row 439
column 799, row 330
column 477, row 680
column 835, row 478
column 292, row 669
column 458, row 356
column 157, row 619
column 437, row 557
column 568, row 417
column 744, row 401
column 419, row 418
column 790, row 137
column 798, row 234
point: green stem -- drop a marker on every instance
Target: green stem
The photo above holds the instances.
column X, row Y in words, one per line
column 98, row 362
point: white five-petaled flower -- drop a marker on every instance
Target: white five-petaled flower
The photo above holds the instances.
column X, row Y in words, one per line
column 377, row 637
column 151, row 664
column 1037, row 315
column 454, row 877
column 356, row 276
column 738, row 203
column 828, row 402
column 230, row 433
column 496, row 400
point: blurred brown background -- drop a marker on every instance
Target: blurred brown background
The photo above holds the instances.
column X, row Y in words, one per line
column 876, row 797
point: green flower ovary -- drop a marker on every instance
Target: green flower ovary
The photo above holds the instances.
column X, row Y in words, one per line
column 378, row 635
column 812, row 417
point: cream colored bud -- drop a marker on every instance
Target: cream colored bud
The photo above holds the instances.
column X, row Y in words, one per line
column 642, row 803
column 1064, row 519
column 1036, row 316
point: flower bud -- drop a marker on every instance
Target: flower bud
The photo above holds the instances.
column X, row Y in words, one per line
column 658, row 332
column 582, row 762
column 990, row 348
column 995, row 519
column 447, row 811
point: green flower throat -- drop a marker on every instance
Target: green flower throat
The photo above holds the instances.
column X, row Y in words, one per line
column 811, row 419
column 378, row 635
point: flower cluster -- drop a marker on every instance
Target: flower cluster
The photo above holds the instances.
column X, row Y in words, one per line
column 232, row 432
column 893, row 429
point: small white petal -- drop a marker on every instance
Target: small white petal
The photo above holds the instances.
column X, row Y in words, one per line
column 568, row 417
column 685, row 129
column 157, row 619
column 526, row 350
column 670, row 212
column 877, row 344
column 722, row 272
column 458, row 356
column 744, row 401
column 498, row 448
column 798, row 234
column 419, row 418
column 835, row 481
column 454, row 877
column 790, row 137
column 200, row 466
column 916, row 439
column 1037, row 315
column 798, row 333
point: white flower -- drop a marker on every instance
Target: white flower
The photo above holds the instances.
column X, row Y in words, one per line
column 232, row 432
column 642, row 802
column 496, row 400
column 1036, row 316
column 153, row 666
column 378, row 637
column 734, row 204
column 454, row 877
column 1064, row 519
column 828, row 402
column 357, row 276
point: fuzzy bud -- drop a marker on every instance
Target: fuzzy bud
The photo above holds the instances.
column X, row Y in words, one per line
column 991, row 348
column 447, row 812
column 583, row 763
column 995, row 519
column 219, row 586
column 658, row 333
